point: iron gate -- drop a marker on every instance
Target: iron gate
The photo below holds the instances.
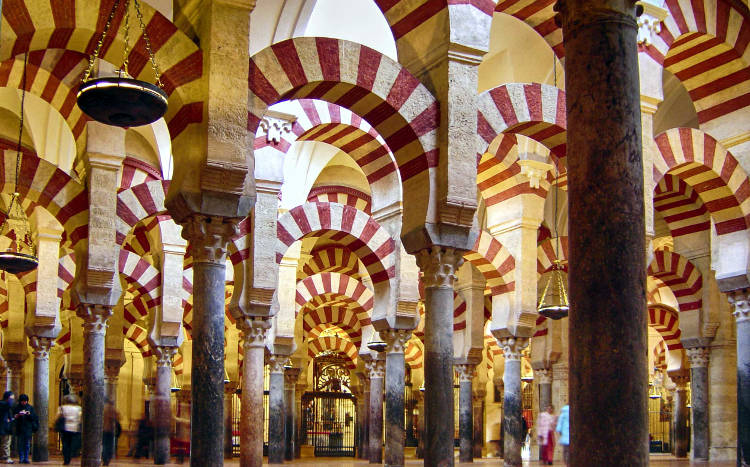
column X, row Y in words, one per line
column 329, row 423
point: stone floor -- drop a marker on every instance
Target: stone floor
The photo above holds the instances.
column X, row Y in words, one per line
column 657, row 461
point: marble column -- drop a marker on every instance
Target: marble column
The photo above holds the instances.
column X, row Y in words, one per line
column 94, row 329
column 680, row 416
column 376, row 369
column 607, row 234
column 15, row 375
column 300, row 436
column 290, row 427
column 512, row 403
column 251, row 432
column 698, row 357
column 478, row 407
column 439, row 266
column 395, row 436
column 740, row 301
column 111, row 375
column 229, row 390
column 276, row 417
column 207, row 238
column 543, row 376
column 41, row 346
column 161, row 409
column 465, row 412
column 364, row 417
column 420, row 425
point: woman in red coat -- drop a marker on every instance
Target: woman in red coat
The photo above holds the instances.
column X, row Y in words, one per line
column 545, row 432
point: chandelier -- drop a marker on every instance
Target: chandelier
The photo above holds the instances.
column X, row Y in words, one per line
column 21, row 254
column 120, row 100
column 554, row 302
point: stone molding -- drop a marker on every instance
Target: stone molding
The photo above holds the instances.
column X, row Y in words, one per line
column 465, row 371
column 395, row 339
column 276, row 363
column 698, row 356
column 512, row 347
column 740, row 301
column 375, row 369
column 254, row 333
column 41, row 346
column 439, row 266
column 208, row 237
column 164, row 355
column 543, row 375
column 95, row 317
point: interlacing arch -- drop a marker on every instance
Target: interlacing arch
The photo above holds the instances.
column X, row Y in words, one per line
column 371, row 85
column 333, row 344
column 666, row 322
column 346, row 225
column 141, row 238
column 137, row 203
column 704, row 43
column 333, row 283
column 145, row 278
column 138, row 336
column 681, row 207
column 316, row 321
column 76, row 25
column 540, row 15
column 681, row 276
column 494, row 261
column 712, row 171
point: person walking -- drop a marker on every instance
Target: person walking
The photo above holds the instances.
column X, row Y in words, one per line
column 110, row 423
column 70, row 411
column 26, row 424
column 6, row 426
column 545, row 433
column 563, row 429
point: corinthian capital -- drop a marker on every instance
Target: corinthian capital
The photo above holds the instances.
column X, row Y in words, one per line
column 276, row 363
column 740, row 301
column 439, row 266
column 164, row 355
column 395, row 339
column 375, row 369
column 254, row 332
column 512, row 347
column 94, row 317
column 543, row 375
column 698, row 356
column 465, row 371
column 41, row 346
column 208, row 237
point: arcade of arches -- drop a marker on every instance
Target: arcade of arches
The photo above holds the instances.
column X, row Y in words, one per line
column 344, row 222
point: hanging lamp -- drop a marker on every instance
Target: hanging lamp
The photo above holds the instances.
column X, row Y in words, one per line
column 21, row 254
column 554, row 302
column 120, row 100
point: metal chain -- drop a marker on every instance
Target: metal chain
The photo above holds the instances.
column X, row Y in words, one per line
column 98, row 48
column 126, row 52
column 148, row 43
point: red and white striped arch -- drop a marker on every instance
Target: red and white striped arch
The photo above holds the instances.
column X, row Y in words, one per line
column 681, row 276
column 4, row 305
column 371, row 85
column 66, row 270
column 74, row 25
column 136, row 309
column 546, row 256
column 704, row 43
column 660, row 356
column 138, row 336
column 542, row 326
column 346, row 225
column 540, row 15
column 681, row 207
column 332, row 258
column 145, row 279
column 137, row 203
column 712, row 171
column 179, row 363
column 316, row 320
column 63, row 340
column 492, row 350
column 333, row 344
column 342, row 195
column 413, row 354
column 495, row 263
column 144, row 237
column 136, row 172
column 667, row 323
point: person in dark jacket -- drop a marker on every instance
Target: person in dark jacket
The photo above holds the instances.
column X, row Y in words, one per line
column 6, row 425
column 26, row 423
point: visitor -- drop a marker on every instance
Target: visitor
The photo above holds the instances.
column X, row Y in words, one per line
column 144, row 436
column 26, row 424
column 111, row 421
column 6, row 425
column 563, row 429
column 70, row 411
column 545, row 433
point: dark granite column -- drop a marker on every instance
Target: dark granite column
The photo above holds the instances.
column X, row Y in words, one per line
column 740, row 301
column 251, row 431
column 376, row 369
column 207, row 241
column 680, row 416
column 364, row 417
column 607, row 246
column 698, row 357
column 41, row 346
column 161, row 408
column 543, row 376
column 395, row 436
column 439, row 266
column 465, row 412
column 94, row 329
column 512, row 425
column 478, row 406
column 276, row 417
column 290, row 427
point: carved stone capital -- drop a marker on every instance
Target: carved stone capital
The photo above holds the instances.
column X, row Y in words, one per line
column 254, row 332
column 439, row 266
column 375, row 369
column 649, row 23
column 291, row 375
column 15, row 367
column 208, row 237
column 276, row 124
column 276, row 363
column 94, row 317
column 543, row 375
column 41, row 346
column 395, row 339
column 680, row 379
column 698, row 356
column 112, row 369
column 465, row 371
column 512, row 347
column 164, row 355
column 740, row 301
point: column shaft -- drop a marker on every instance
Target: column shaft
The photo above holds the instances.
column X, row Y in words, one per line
column 94, row 330
column 607, row 234
column 251, row 432
column 276, row 412
column 512, row 425
column 228, row 402
column 698, row 357
column 41, row 346
column 162, row 412
column 545, row 395
column 465, row 421
column 395, row 435
column 679, row 421
column 290, row 380
column 743, row 389
column 478, row 439
column 364, row 423
column 375, row 448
